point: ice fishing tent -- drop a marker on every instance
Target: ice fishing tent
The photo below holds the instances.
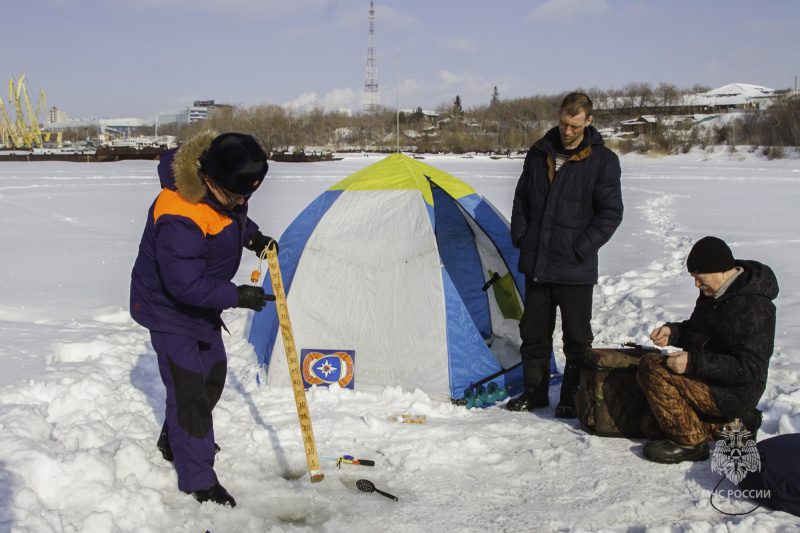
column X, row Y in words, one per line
column 408, row 269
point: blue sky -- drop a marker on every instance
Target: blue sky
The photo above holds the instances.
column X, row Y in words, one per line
column 136, row 58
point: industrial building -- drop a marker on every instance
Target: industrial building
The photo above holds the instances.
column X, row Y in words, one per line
column 200, row 110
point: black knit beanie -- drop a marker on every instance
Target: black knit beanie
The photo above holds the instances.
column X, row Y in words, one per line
column 236, row 162
column 710, row 254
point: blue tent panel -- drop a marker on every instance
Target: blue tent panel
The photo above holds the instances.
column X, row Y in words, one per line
column 468, row 355
column 460, row 257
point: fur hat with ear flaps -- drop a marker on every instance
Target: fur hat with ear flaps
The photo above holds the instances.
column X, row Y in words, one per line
column 235, row 161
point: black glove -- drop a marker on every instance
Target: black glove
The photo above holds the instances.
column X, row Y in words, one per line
column 259, row 242
column 253, row 297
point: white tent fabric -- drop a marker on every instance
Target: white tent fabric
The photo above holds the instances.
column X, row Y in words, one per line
column 372, row 297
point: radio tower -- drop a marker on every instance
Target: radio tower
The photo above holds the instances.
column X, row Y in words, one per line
column 371, row 94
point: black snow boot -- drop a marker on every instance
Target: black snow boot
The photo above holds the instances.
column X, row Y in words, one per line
column 566, row 401
column 566, row 411
column 536, row 376
column 528, row 401
column 668, row 452
column 216, row 494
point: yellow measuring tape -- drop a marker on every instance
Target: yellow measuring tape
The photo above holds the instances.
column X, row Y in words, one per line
column 294, row 367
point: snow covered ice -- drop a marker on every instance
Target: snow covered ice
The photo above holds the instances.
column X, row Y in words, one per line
column 81, row 401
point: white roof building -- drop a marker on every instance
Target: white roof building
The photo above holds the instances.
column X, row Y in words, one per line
column 731, row 96
column 740, row 95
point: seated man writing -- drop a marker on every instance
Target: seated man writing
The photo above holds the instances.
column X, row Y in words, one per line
column 721, row 371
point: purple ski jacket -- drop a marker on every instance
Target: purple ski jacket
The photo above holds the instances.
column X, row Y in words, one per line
column 189, row 253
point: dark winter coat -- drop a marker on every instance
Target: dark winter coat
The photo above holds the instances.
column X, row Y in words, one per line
column 560, row 227
column 189, row 253
column 730, row 339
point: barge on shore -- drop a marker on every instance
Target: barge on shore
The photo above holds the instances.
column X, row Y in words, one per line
column 101, row 155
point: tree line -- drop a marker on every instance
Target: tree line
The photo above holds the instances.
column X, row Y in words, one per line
column 500, row 125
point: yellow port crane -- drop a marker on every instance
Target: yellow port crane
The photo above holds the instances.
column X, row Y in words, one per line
column 11, row 137
column 20, row 125
column 36, row 133
column 42, row 104
column 5, row 125
column 19, row 133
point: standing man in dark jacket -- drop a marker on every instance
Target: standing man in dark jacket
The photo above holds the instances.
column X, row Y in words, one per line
column 567, row 204
column 190, row 251
column 721, row 371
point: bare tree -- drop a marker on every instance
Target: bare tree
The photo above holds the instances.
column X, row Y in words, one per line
column 667, row 95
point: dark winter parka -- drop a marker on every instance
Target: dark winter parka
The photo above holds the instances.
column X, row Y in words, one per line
column 560, row 220
column 190, row 251
column 730, row 339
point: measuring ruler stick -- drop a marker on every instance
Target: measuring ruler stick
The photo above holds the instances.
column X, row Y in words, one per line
column 294, row 368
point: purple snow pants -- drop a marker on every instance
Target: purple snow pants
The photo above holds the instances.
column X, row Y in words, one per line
column 194, row 374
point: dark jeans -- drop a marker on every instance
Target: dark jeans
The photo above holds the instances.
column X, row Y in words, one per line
column 538, row 324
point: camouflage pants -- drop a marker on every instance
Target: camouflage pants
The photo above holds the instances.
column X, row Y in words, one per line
column 681, row 406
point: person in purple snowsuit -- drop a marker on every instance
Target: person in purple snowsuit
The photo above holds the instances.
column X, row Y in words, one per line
column 189, row 253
